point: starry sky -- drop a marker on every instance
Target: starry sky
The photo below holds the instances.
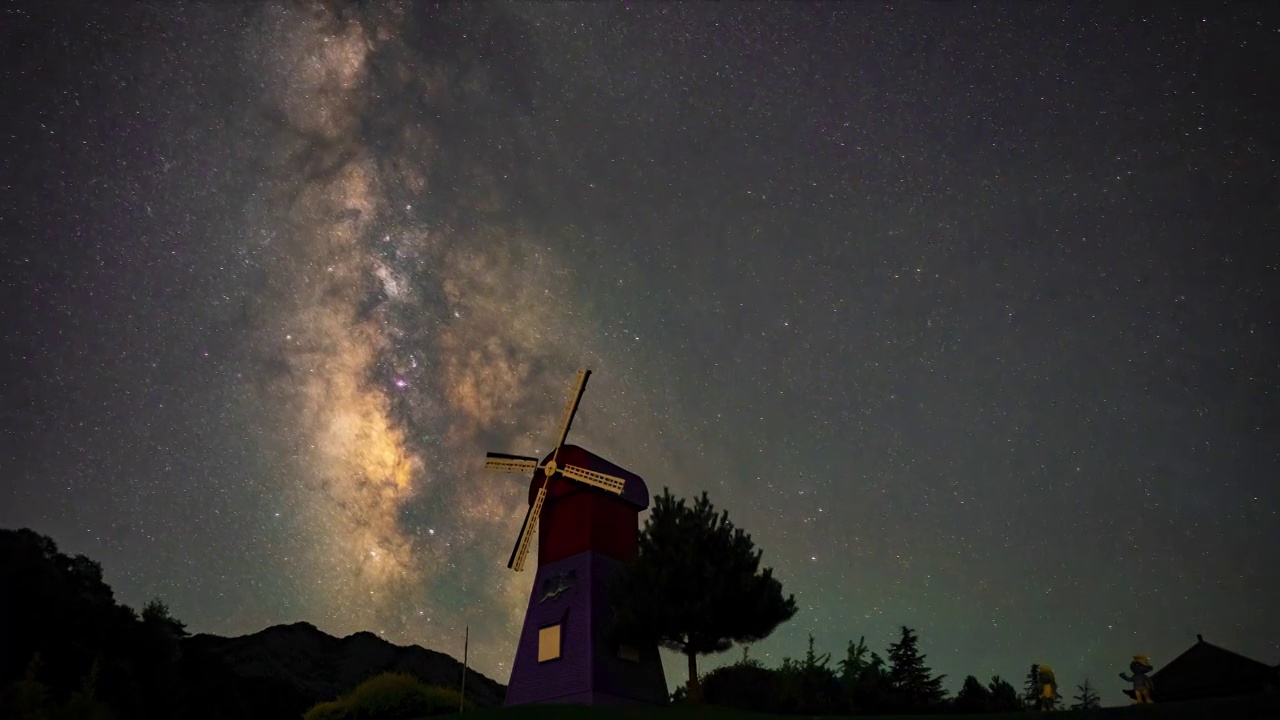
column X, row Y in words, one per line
column 970, row 315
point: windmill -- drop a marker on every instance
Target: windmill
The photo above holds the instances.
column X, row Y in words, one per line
column 524, row 465
column 586, row 511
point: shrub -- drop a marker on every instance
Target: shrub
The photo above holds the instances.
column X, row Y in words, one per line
column 445, row 701
column 742, row 686
column 331, row 710
column 390, row 696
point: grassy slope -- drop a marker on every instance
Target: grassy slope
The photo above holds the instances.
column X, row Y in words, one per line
column 1229, row 709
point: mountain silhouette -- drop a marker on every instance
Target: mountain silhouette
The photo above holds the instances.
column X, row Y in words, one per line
column 69, row 648
column 285, row 669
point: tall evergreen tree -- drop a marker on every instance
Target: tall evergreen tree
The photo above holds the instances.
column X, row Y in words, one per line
column 1004, row 697
column 696, row 585
column 1088, row 698
column 850, row 669
column 1031, row 691
column 872, row 690
column 809, row 686
column 862, row 676
column 911, row 680
column 854, row 662
column 974, row 697
column 820, row 683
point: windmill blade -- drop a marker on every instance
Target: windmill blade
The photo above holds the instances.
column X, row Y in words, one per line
column 521, row 541
column 502, row 462
column 571, row 409
column 613, row 484
column 521, row 550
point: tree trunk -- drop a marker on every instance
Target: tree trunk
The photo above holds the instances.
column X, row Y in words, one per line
column 694, row 687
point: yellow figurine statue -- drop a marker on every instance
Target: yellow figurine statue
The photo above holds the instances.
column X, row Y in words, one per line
column 1142, row 684
column 1048, row 688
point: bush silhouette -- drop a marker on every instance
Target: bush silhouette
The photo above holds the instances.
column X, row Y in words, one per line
column 390, row 696
column 331, row 710
column 742, row 686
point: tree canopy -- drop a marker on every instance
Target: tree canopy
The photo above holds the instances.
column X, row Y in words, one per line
column 67, row 646
column 696, row 586
column 810, row 686
column 1032, row 688
column 1038, row 697
column 863, row 675
column 1088, row 698
column 974, row 697
column 1004, row 696
column 911, row 680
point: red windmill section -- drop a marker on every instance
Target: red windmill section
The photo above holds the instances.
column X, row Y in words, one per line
column 577, row 517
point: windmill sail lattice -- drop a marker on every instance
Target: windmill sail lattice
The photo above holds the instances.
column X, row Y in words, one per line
column 586, row 512
column 502, row 462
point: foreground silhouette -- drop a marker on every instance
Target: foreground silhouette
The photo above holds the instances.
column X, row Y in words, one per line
column 696, row 586
column 69, row 650
column 391, row 696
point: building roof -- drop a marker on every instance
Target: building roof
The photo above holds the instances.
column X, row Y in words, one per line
column 635, row 491
column 1206, row 670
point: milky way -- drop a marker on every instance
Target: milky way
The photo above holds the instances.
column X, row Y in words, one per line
column 967, row 314
column 409, row 323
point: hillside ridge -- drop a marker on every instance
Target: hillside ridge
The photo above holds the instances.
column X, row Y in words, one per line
column 297, row 664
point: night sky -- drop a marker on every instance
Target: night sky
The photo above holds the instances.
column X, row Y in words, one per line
column 971, row 316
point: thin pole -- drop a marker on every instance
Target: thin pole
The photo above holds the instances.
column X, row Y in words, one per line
column 466, row 643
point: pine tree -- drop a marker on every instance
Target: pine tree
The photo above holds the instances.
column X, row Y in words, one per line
column 850, row 670
column 813, row 660
column 854, row 662
column 974, row 697
column 810, row 685
column 821, row 681
column 1031, row 692
column 1087, row 699
column 1004, row 697
column 910, row 679
column 865, row 680
column 696, row 586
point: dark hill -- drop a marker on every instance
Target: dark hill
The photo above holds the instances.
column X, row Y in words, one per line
column 285, row 669
column 68, row 648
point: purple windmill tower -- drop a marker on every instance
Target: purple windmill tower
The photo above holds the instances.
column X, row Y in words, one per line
column 587, row 513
